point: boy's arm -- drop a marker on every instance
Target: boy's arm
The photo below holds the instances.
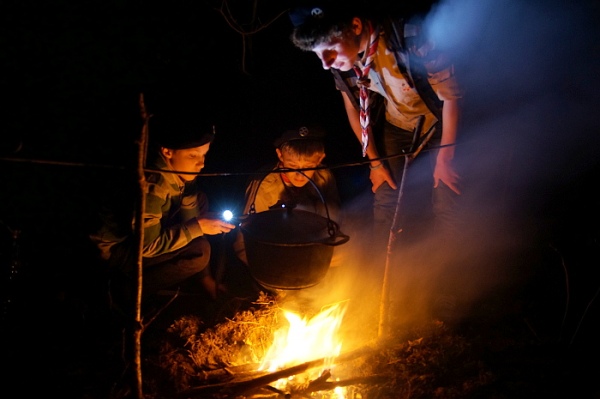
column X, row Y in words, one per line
column 378, row 174
column 158, row 238
column 444, row 170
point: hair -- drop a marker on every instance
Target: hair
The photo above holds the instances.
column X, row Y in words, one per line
column 313, row 33
column 303, row 147
column 336, row 20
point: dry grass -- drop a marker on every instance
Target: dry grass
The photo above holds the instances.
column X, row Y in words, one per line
column 431, row 360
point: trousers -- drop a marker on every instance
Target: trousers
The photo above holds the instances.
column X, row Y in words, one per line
column 161, row 272
column 415, row 206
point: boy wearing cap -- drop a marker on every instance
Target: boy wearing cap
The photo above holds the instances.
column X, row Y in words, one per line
column 300, row 154
column 390, row 60
column 409, row 75
column 175, row 218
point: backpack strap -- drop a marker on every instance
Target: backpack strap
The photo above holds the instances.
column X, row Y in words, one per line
column 341, row 82
column 404, row 40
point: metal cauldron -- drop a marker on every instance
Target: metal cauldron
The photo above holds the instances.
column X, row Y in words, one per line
column 289, row 248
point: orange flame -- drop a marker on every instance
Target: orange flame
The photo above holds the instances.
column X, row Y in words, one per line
column 305, row 340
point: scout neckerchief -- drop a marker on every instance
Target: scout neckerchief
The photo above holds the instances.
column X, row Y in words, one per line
column 363, row 84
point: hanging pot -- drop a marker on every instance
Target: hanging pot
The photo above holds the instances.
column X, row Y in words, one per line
column 288, row 248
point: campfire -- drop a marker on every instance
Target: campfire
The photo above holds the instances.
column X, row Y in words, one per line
column 305, row 340
column 263, row 350
column 269, row 352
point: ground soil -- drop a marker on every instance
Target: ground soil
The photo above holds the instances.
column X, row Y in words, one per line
column 525, row 341
column 504, row 348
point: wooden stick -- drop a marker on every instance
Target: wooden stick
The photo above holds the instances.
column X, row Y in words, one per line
column 139, row 236
column 395, row 230
column 329, row 385
column 234, row 388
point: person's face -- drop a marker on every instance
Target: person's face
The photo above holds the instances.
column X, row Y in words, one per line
column 341, row 53
column 291, row 161
column 186, row 160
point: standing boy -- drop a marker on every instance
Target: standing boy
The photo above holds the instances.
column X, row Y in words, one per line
column 391, row 60
column 365, row 57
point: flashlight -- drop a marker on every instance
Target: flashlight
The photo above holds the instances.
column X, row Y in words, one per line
column 227, row 215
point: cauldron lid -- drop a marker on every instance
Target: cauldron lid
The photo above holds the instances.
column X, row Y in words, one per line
column 287, row 226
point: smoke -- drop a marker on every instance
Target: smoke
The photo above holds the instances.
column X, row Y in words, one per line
column 528, row 69
column 528, row 141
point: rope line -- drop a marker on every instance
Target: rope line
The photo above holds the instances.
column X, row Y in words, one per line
column 120, row 167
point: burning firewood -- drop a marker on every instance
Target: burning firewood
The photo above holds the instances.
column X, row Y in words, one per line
column 236, row 388
column 410, row 363
column 233, row 389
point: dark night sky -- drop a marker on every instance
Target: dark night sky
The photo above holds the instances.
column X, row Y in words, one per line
column 72, row 74
column 75, row 75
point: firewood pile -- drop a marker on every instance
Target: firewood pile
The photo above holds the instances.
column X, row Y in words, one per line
column 222, row 362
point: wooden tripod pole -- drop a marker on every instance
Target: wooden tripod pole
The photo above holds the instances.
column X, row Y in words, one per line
column 385, row 289
column 139, row 235
column 384, row 304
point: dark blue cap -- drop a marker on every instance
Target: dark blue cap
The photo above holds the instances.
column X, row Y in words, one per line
column 299, row 15
column 324, row 12
column 301, row 133
column 179, row 132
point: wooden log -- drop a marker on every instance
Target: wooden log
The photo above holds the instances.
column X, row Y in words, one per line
column 240, row 387
column 329, row 385
column 234, row 389
column 231, row 372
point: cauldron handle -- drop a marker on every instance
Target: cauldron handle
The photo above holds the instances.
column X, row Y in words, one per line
column 334, row 241
column 331, row 229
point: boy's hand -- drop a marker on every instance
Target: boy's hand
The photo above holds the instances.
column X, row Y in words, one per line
column 379, row 176
column 215, row 226
column 444, row 171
